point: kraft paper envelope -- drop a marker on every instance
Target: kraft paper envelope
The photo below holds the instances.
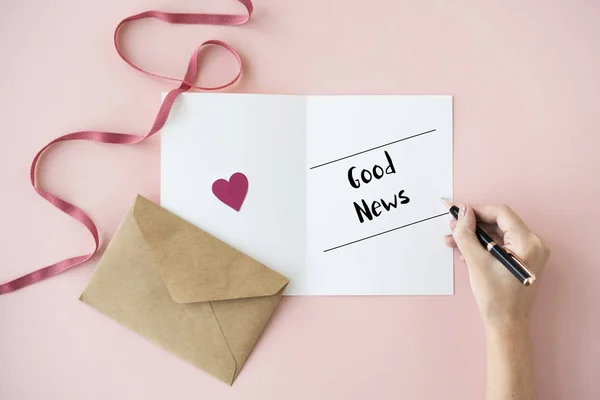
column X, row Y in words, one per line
column 184, row 290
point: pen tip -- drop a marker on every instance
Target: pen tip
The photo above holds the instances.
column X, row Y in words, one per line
column 447, row 203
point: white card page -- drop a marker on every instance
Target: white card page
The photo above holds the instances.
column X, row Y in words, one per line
column 399, row 153
column 304, row 157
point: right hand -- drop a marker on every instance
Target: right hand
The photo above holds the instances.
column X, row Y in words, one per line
column 500, row 297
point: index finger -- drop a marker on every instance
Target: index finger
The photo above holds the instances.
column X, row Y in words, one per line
column 503, row 216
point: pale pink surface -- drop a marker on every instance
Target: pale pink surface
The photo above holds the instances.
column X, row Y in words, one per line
column 525, row 76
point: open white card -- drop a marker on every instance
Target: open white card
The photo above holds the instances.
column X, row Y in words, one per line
column 344, row 191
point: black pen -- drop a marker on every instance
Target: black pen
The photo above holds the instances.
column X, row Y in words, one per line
column 509, row 259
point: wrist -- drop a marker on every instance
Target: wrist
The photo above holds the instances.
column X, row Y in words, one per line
column 509, row 360
column 510, row 329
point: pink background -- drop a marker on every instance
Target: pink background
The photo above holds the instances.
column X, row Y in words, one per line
column 526, row 81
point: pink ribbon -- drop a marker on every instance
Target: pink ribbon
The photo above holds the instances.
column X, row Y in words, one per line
column 186, row 84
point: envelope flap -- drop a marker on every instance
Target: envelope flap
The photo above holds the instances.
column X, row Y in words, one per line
column 194, row 265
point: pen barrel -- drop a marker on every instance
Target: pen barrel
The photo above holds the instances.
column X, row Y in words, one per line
column 502, row 256
column 483, row 237
column 454, row 211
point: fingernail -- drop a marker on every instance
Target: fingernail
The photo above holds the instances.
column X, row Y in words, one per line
column 462, row 212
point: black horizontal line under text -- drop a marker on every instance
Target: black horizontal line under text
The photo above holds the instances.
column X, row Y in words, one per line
column 384, row 232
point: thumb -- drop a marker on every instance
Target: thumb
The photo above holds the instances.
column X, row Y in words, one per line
column 464, row 236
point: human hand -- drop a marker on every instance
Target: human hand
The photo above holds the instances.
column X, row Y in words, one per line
column 502, row 300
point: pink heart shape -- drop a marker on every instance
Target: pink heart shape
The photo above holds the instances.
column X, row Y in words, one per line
column 233, row 192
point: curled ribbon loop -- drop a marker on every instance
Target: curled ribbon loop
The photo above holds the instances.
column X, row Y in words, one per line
column 186, row 84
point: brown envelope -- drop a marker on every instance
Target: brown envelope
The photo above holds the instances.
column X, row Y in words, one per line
column 184, row 290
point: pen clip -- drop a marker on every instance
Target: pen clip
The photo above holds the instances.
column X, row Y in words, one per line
column 531, row 279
